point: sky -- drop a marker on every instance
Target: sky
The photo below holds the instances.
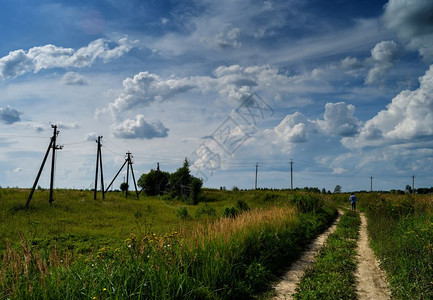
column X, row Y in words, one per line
column 342, row 89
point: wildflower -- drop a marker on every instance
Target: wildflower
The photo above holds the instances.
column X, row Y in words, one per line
column 104, row 289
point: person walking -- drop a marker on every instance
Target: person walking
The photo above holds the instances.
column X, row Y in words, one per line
column 353, row 199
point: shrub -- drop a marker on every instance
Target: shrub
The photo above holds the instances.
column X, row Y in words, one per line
column 306, row 203
column 205, row 209
column 183, row 213
column 242, row 205
column 230, row 212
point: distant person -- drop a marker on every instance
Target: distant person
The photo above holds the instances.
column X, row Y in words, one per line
column 353, row 199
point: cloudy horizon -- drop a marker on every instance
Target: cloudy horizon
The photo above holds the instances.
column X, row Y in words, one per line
column 343, row 89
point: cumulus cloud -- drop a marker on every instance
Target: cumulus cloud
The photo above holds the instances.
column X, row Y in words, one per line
column 413, row 22
column 409, row 117
column 383, row 56
column 339, row 120
column 294, row 128
column 231, row 83
column 146, row 88
column 19, row 62
column 72, row 78
column 139, row 129
column 9, row 115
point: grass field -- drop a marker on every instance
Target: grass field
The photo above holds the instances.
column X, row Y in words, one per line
column 150, row 247
column 401, row 229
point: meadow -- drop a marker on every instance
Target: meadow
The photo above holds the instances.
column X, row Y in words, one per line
column 401, row 232
column 231, row 245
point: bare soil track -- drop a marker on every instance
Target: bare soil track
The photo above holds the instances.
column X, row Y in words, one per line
column 286, row 287
column 371, row 280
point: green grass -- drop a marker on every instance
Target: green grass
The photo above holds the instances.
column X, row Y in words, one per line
column 401, row 231
column 83, row 248
column 332, row 274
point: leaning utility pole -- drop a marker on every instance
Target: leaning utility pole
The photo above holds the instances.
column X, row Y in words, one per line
column 291, row 174
column 53, row 146
column 255, row 183
column 413, row 184
column 129, row 163
column 99, row 164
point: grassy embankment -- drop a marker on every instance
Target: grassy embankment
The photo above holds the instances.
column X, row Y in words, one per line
column 332, row 274
column 117, row 248
column 401, row 232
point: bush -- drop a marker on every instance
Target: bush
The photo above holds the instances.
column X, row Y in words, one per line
column 242, row 205
column 183, row 213
column 306, row 203
column 205, row 210
column 230, row 212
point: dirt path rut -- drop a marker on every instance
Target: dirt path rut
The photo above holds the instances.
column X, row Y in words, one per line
column 286, row 287
column 371, row 280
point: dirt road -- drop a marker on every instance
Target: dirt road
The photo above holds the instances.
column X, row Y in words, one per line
column 286, row 287
column 371, row 280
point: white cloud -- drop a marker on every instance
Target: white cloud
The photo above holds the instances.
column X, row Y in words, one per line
column 227, row 37
column 408, row 118
column 9, row 115
column 91, row 136
column 19, row 62
column 413, row 22
column 295, row 128
column 146, row 88
column 139, row 129
column 339, row 120
column 383, row 57
column 63, row 125
column 72, row 78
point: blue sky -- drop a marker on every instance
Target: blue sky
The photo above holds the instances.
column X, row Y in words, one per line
column 344, row 88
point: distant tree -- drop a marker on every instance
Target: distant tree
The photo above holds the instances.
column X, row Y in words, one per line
column 196, row 185
column 323, row 191
column 124, row 186
column 337, row 189
column 180, row 180
column 408, row 189
column 155, row 182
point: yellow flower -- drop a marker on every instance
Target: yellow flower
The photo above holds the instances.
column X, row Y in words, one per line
column 104, row 289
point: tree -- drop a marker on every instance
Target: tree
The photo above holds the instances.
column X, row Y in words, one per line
column 408, row 189
column 155, row 182
column 337, row 189
column 196, row 185
column 180, row 180
column 124, row 186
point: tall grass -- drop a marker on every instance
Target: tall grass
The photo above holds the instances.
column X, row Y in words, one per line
column 221, row 259
column 401, row 231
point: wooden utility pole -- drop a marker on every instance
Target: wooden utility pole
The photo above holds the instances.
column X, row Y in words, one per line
column 99, row 165
column 371, row 183
column 53, row 146
column 291, row 174
column 413, row 184
column 129, row 163
column 255, row 183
